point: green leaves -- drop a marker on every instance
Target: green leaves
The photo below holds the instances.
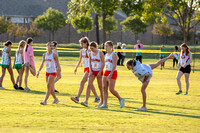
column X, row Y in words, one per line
column 111, row 24
column 162, row 29
column 51, row 20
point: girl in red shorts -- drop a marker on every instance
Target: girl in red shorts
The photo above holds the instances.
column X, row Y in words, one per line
column 96, row 65
column 84, row 56
column 110, row 75
column 50, row 59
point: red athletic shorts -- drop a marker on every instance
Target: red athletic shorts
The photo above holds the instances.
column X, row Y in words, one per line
column 114, row 75
column 87, row 69
column 54, row 74
column 96, row 72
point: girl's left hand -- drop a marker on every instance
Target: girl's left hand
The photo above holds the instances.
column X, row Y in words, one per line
column 99, row 74
column 59, row 75
column 184, row 66
column 109, row 77
column 37, row 74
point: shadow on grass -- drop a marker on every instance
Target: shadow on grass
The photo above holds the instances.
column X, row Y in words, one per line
column 163, row 105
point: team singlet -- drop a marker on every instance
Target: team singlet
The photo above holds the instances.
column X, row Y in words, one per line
column 85, row 58
column 50, row 63
column 19, row 58
column 109, row 62
column 96, row 61
column 5, row 57
column 184, row 59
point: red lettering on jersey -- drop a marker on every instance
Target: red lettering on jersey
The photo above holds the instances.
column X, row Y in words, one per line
column 84, row 56
column 109, row 60
column 48, row 60
column 183, row 57
column 95, row 60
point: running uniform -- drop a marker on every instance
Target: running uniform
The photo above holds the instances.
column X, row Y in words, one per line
column 5, row 62
column 96, row 63
column 50, row 65
column 85, row 55
column 55, row 52
column 19, row 59
column 142, row 70
column 183, row 60
column 109, row 66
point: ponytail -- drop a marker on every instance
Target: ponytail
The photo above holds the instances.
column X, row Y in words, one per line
column 28, row 41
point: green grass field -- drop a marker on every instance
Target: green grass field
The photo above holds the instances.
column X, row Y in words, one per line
column 21, row 111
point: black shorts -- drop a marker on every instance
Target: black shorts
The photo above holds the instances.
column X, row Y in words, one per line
column 187, row 69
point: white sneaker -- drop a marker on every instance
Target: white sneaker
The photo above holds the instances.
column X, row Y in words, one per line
column 99, row 105
column 122, row 102
column 103, row 106
column 27, row 89
column 43, row 103
column 55, row 101
column 84, row 104
column 142, row 109
column 2, row 88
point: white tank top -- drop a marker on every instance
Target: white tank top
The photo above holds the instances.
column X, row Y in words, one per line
column 184, row 59
column 5, row 57
column 109, row 62
column 50, row 63
column 85, row 58
column 96, row 61
column 19, row 58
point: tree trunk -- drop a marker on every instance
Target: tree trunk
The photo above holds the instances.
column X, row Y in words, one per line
column 49, row 36
column 97, row 28
column 185, row 34
column 109, row 36
column 52, row 35
column 104, row 28
column 14, row 38
column 69, row 34
column 121, row 34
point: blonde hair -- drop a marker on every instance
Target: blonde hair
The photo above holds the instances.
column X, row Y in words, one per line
column 21, row 43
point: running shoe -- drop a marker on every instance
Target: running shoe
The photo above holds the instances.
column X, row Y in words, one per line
column 96, row 100
column 15, row 87
column 20, row 88
column 75, row 99
column 27, row 89
column 2, row 88
column 179, row 92
column 186, row 93
column 43, row 103
column 142, row 109
column 122, row 102
column 84, row 104
column 98, row 105
column 55, row 101
column 56, row 91
column 103, row 106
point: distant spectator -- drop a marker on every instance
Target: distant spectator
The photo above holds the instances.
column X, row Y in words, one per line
column 139, row 54
column 162, row 55
column 119, row 53
column 176, row 56
column 102, row 47
column 138, row 44
column 123, row 54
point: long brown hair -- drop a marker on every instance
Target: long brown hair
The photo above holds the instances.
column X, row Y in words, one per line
column 7, row 43
column 28, row 41
column 85, row 40
column 131, row 63
column 187, row 49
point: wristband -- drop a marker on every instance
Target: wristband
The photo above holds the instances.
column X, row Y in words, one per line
column 110, row 75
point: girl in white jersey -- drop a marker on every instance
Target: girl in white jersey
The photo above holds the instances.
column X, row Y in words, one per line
column 96, row 65
column 84, row 56
column 18, row 63
column 50, row 59
column 110, row 75
column 185, row 68
column 55, row 52
column 6, row 64
column 144, row 73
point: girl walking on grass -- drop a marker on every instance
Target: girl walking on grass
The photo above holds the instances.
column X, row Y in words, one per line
column 144, row 73
column 49, row 58
column 6, row 64
column 96, row 65
column 18, row 63
column 84, row 56
column 29, row 61
column 110, row 75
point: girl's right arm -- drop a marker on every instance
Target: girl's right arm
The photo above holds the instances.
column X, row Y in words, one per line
column 41, row 66
column 90, row 64
column 14, row 62
column 79, row 62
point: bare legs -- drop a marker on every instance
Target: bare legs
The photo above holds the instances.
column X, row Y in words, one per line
column 19, row 78
column 33, row 72
column 178, row 77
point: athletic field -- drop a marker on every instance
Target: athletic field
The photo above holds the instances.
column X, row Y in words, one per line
column 21, row 111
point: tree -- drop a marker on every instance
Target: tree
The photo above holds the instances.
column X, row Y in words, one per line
column 16, row 30
column 163, row 30
column 185, row 13
column 111, row 25
column 84, row 24
column 134, row 25
column 51, row 20
column 34, row 31
column 4, row 25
